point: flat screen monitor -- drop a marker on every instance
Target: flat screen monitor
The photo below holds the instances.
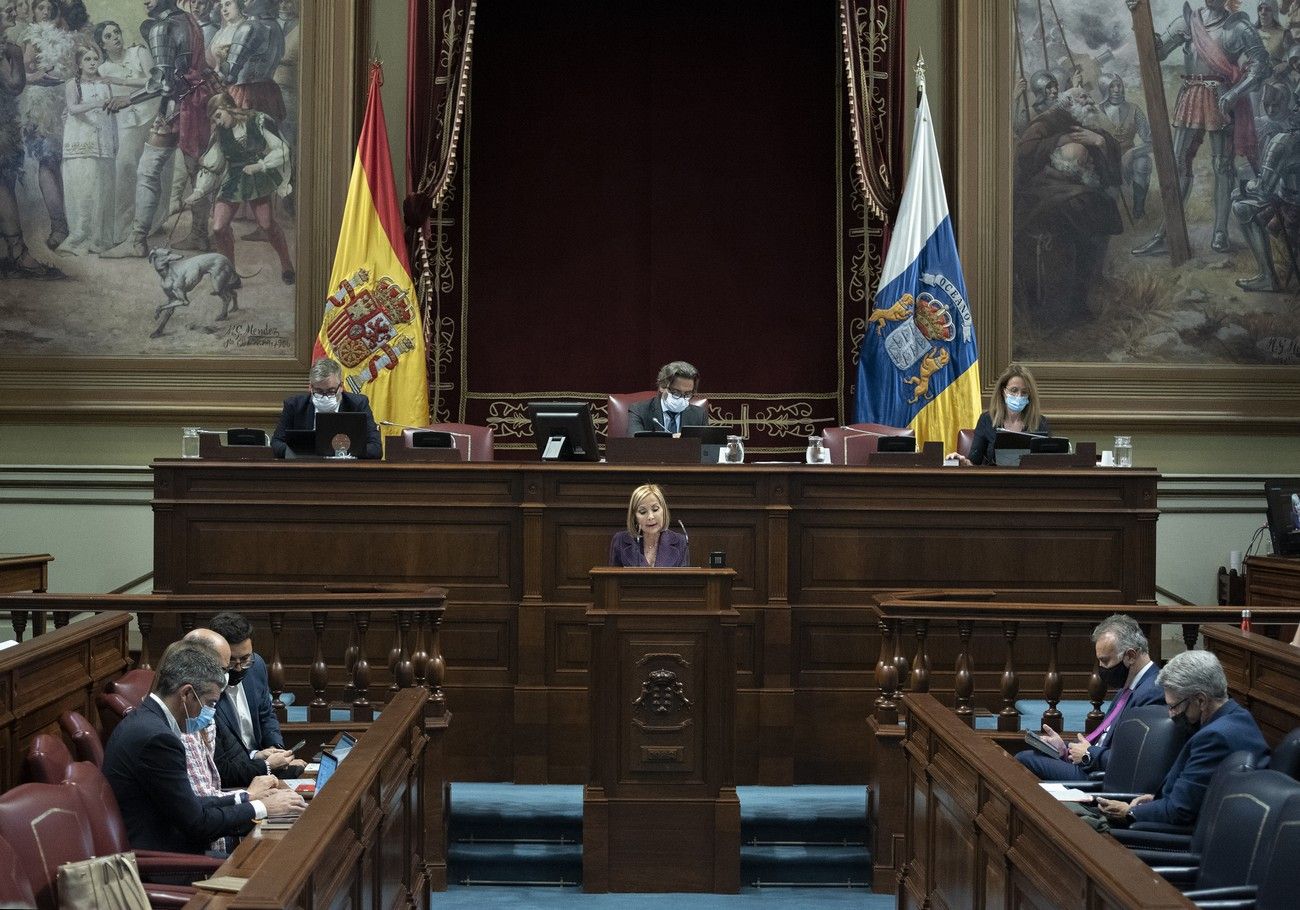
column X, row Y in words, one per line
column 1009, row 445
column 432, row 439
column 896, row 444
column 245, row 436
column 564, row 431
column 712, row 437
column 1056, row 445
column 1284, row 515
column 342, row 430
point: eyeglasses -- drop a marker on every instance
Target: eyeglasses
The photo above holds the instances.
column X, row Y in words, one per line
column 241, row 663
column 1012, row 390
column 673, row 393
column 1173, row 709
column 329, row 392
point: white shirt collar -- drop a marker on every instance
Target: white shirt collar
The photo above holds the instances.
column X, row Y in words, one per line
column 1141, row 673
column 167, row 713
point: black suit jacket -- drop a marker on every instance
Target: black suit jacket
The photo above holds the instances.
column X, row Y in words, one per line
column 299, row 413
column 981, row 447
column 144, row 762
column 649, row 415
column 257, row 689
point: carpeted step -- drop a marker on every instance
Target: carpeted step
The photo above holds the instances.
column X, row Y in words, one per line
column 776, row 865
column 514, row 863
column 804, row 813
column 518, row 812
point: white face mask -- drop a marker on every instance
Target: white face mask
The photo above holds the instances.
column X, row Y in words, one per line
column 675, row 405
column 325, row 404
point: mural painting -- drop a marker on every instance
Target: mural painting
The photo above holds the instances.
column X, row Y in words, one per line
column 1094, row 276
column 148, row 153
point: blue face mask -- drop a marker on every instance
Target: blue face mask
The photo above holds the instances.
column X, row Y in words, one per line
column 1016, row 403
column 207, row 714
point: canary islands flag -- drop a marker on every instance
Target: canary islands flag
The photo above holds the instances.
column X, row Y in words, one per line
column 919, row 365
column 372, row 324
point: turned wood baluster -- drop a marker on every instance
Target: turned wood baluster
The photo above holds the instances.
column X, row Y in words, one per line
column 275, row 669
column 319, row 709
column 350, row 662
column 920, row 681
column 403, row 672
column 395, row 652
column 964, row 677
column 361, row 709
column 1052, row 680
column 419, row 656
column 887, row 673
column 437, row 668
column 186, row 622
column 1191, row 632
column 1096, row 694
column 19, row 620
column 62, row 618
column 1009, row 717
column 145, row 622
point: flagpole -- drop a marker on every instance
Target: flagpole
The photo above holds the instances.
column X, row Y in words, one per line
column 918, row 72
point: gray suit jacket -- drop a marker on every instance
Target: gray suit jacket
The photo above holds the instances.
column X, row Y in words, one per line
column 649, row 415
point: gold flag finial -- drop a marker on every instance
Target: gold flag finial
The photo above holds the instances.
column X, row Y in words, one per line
column 919, row 71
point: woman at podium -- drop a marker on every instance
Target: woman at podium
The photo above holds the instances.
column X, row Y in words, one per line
column 648, row 542
column 1013, row 406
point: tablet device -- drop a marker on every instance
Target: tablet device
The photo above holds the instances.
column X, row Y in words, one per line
column 1037, row 742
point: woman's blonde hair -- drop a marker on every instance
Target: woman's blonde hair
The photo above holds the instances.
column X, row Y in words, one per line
column 998, row 406
column 640, row 495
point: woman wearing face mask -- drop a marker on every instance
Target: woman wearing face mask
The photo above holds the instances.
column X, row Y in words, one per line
column 1014, row 406
column 648, row 542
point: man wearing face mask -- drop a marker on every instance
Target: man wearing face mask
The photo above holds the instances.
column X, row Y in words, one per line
column 671, row 409
column 144, row 762
column 324, row 395
column 1125, row 666
column 1196, row 692
column 249, row 741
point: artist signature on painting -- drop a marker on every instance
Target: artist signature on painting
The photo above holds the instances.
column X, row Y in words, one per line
column 1283, row 350
column 247, row 335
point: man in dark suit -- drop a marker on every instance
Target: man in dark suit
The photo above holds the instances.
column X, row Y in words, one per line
column 671, row 409
column 248, row 732
column 326, row 395
column 1196, row 692
column 144, row 762
column 1126, row 667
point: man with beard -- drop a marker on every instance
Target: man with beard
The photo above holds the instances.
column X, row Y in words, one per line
column 1067, row 167
column 1133, row 133
column 1223, row 60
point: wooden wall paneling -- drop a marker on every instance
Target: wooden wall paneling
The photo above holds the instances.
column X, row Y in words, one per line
column 1263, row 675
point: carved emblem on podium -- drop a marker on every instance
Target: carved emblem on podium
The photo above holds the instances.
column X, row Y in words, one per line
column 663, row 697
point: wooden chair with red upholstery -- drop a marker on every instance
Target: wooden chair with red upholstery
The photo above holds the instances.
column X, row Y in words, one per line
column 619, row 402
column 856, row 443
column 964, row 439
column 48, row 760
column 86, row 744
column 46, row 825
column 474, row 443
column 15, row 889
column 122, row 696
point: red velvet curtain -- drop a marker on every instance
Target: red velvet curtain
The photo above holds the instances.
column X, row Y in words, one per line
column 648, row 180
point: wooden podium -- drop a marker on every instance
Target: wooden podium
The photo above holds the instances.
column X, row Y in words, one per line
column 659, row 812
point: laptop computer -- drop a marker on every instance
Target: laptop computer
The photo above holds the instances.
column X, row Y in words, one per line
column 340, row 431
column 712, row 437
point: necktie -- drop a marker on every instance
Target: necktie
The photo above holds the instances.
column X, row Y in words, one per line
column 673, row 421
column 1117, row 706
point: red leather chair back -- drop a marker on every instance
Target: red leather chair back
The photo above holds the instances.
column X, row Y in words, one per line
column 86, row 744
column 964, row 440
column 474, row 443
column 15, row 889
column 45, row 825
column 47, row 760
column 107, row 830
column 122, row 696
column 856, row 443
column 619, row 402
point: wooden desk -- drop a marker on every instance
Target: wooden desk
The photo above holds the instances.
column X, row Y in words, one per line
column 24, row 572
column 982, row 833
column 363, row 842
column 1263, row 675
column 514, row 543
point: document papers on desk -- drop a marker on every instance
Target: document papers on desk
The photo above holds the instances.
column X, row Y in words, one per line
column 1067, row 794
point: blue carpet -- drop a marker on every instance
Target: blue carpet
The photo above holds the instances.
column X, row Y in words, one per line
column 532, row 835
column 491, row 898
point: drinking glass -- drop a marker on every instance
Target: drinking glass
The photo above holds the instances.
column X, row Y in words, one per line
column 1123, row 451
column 190, row 442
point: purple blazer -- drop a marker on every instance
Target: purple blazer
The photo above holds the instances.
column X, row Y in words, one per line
column 625, row 551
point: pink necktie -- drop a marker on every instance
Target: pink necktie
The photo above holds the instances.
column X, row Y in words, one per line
column 1109, row 719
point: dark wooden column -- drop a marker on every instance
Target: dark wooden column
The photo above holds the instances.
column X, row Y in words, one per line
column 660, row 811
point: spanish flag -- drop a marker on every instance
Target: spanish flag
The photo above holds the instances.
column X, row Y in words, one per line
column 372, row 324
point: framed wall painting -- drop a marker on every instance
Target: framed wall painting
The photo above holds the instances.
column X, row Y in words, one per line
column 121, row 294
column 1053, row 241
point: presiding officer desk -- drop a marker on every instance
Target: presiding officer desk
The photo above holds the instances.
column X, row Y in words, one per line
column 514, row 542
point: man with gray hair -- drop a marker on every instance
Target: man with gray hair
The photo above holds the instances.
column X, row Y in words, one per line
column 325, row 396
column 671, row 409
column 1124, row 665
column 144, row 762
column 1196, row 692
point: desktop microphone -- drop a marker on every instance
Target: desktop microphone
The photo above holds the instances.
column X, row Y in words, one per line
column 660, row 422
column 683, row 527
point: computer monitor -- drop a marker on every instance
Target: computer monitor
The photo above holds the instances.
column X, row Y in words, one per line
column 896, row 444
column 1009, row 446
column 1055, row 445
column 712, row 437
column 245, row 436
column 325, row 439
column 1283, row 496
column 564, row 431
column 432, row 439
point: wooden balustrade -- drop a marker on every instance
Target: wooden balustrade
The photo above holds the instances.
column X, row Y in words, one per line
column 981, row 833
column 297, row 635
